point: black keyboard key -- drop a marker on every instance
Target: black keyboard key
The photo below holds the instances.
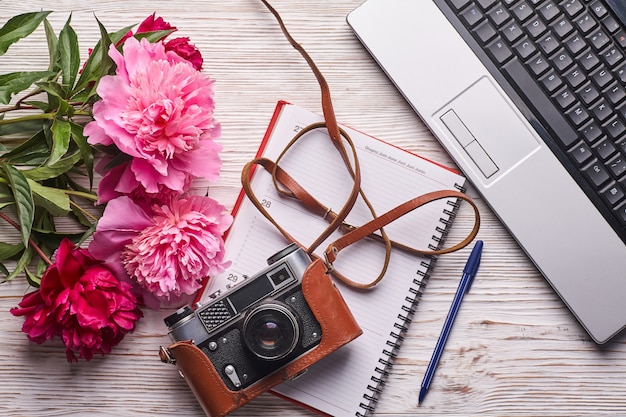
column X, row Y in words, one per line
column 551, row 81
column 621, row 73
column 578, row 115
column 459, row 4
column 500, row 51
column 525, row 48
column 605, row 149
column 499, row 15
column 565, row 98
column 472, row 15
column 615, row 93
column 562, row 60
column 581, row 153
column 572, row 7
column 575, row 44
column 591, row 132
column 613, row 56
column 562, row 27
column 615, row 128
column 512, row 31
column 621, row 213
column 597, row 174
column 538, row 64
column 610, row 24
column 561, row 128
column 536, row 27
column 585, row 23
column 620, row 37
column 598, row 9
column 602, row 77
column 485, row 4
column 599, row 39
column 575, row 77
column 588, row 93
column 602, row 111
column 614, row 194
column 588, row 60
column 522, row 11
column 617, row 166
column 549, row 43
column 485, row 32
column 549, row 10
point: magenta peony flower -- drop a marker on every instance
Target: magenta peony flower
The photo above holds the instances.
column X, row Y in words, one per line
column 186, row 50
column 158, row 110
column 153, row 24
column 81, row 301
column 167, row 252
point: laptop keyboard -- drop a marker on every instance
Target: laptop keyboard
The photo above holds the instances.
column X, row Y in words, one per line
column 566, row 59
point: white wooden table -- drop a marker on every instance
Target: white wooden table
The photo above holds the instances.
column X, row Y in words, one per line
column 514, row 350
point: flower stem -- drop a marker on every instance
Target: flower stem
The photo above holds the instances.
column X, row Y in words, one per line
column 82, row 210
column 87, row 196
column 30, row 239
column 42, row 116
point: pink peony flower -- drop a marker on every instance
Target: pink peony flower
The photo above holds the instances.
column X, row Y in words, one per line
column 120, row 180
column 82, row 302
column 159, row 110
column 167, row 252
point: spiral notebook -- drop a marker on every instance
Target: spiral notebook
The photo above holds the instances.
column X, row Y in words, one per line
column 349, row 381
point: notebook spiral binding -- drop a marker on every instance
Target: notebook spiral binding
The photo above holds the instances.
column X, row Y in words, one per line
column 396, row 336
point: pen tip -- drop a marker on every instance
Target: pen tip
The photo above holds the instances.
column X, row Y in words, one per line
column 423, row 392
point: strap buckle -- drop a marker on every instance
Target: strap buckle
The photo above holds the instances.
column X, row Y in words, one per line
column 166, row 357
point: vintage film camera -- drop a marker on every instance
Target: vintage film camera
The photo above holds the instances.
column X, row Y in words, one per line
column 257, row 327
column 264, row 331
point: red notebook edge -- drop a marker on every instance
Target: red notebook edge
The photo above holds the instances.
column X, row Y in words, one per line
column 268, row 132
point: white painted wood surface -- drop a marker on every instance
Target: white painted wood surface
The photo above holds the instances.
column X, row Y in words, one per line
column 514, row 351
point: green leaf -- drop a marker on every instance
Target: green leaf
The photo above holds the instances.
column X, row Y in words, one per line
column 61, row 130
column 31, row 149
column 8, row 251
column 33, row 280
column 70, row 56
column 99, row 62
column 24, row 260
column 155, row 36
column 22, row 126
column 16, row 82
column 86, row 151
column 52, row 171
column 23, row 196
column 4, row 269
column 52, row 41
column 53, row 239
column 19, row 27
column 52, row 88
column 54, row 200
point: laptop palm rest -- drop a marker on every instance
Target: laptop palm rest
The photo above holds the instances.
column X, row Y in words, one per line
column 491, row 134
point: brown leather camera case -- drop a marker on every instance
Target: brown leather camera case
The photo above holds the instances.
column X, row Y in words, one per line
column 338, row 328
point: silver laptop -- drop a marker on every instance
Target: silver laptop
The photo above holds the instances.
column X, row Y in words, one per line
column 528, row 97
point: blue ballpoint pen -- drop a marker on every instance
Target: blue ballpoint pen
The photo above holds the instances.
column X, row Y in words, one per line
column 469, row 272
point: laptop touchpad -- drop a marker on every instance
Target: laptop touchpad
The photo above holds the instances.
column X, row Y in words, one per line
column 491, row 133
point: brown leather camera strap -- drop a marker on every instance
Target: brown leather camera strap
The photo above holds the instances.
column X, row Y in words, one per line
column 289, row 187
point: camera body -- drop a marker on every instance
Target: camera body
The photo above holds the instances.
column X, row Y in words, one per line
column 257, row 327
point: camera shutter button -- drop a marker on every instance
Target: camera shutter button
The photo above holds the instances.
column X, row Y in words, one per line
column 231, row 373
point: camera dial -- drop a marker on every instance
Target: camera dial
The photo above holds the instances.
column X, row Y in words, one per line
column 271, row 331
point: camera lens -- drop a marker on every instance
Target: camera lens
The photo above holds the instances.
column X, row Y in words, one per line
column 271, row 331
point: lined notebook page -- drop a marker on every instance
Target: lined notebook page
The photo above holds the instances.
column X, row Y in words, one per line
column 338, row 385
